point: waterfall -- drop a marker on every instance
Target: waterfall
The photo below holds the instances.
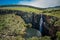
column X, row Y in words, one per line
column 41, row 24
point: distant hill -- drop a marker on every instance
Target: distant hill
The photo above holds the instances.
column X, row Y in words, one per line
column 21, row 6
column 52, row 11
column 57, row 7
column 27, row 6
column 53, row 7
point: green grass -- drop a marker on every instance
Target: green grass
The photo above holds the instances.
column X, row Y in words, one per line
column 12, row 23
column 25, row 9
column 37, row 11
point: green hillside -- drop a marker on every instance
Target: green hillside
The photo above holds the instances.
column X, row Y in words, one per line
column 16, row 22
column 46, row 11
column 22, row 8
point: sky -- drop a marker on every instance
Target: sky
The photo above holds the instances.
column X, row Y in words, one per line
column 36, row 3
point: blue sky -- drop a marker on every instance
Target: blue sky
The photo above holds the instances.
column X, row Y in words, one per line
column 36, row 3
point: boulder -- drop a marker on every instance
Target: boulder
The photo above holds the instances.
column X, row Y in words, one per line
column 30, row 32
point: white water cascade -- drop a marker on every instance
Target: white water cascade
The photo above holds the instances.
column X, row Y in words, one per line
column 41, row 23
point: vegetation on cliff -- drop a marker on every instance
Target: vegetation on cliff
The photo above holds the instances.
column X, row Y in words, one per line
column 16, row 22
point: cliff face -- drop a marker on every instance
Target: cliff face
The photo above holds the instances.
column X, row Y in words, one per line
column 32, row 17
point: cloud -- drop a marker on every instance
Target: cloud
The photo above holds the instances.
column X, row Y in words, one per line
column 41, row 3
